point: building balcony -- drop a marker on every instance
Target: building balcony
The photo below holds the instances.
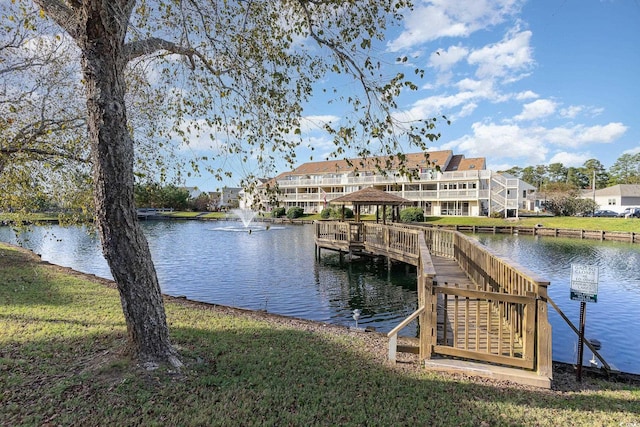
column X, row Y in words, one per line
column 385, row 180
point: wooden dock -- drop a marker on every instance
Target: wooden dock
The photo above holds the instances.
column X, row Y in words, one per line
column 478, row 313
column 474, row 325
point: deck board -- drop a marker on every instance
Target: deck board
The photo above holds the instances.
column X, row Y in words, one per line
column 482, row 330
column 448, row 272
column 471, row 333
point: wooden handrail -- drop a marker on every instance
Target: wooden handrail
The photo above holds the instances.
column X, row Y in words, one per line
column 511, row 291
column 405, row 322
column 393, row 334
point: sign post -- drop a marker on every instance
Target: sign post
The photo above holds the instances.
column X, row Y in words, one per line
column 584, row 288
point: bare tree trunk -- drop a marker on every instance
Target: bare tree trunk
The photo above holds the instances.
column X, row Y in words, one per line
column 123, row 243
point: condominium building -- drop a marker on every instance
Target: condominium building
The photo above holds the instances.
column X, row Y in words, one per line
column 442, row 184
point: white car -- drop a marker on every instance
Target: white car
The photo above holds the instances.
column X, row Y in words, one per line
column 630, row 212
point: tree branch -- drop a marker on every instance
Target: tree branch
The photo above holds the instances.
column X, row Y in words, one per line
column 42, row 152
column 345, row 58
column 65, row 14
column 136, row 49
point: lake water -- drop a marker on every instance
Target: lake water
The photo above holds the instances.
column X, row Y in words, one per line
column 273, row 270
column 614, row 319
column 276, row 270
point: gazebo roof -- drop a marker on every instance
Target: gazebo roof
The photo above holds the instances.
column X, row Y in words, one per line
column 370, row 196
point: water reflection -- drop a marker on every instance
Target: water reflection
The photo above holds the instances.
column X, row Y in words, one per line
column 276, row 270
column 273, row 270
column 612, row 318
column 383, row 295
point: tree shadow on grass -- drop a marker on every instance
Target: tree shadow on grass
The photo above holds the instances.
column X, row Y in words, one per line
column 249, row 373
column 241, row 369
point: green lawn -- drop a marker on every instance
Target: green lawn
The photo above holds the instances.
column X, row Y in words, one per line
column 584, row 223
column 61, row 337
column 570, row 222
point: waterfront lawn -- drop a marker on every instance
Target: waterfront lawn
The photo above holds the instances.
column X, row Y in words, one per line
column 21, row 218
column 566, row 222
column 181, row 214
column 61, row 335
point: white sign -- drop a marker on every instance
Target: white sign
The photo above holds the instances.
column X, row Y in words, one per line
column 584, row 282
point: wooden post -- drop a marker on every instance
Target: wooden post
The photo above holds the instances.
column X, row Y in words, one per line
column 544, row 361
column 393, row 346
column 428, row 319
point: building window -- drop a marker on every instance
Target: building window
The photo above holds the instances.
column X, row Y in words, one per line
column 612, row 201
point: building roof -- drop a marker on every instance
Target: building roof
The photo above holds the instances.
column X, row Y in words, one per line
column 622, row 190
column 444, row 159
column 370, row 196
column 477, row 163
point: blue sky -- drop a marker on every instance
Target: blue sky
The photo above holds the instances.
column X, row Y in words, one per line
column 523, row 82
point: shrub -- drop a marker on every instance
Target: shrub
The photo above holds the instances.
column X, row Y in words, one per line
column 336, row 213
column 295, row 212
column 277, row 212
column 412, row 215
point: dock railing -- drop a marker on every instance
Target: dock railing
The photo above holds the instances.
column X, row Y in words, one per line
column 427, row 318
column 501, row 319
column 516, row 296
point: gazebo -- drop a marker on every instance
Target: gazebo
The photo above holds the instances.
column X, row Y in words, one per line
column 371, row 196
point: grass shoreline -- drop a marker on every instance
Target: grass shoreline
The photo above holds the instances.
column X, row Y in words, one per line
column 571, row 223
column 61, row 335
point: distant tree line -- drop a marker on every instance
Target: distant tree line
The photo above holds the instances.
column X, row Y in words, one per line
column 561, row 187
column 155, row 195
column 626, row 170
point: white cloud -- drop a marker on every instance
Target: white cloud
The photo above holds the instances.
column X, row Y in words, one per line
column 317, row 122
column 580, row 135
column 537, row 109
column 482, row 88
column 506, row 59
column 430, row 20
column 499, row 166
column 443, row 60
column 437, row 105
column 527, row 94
column 571, row 111
column 632, row 151
column 532, row 144
column 466, row 110
column 200, row 136
column 570, row 159
column 502, row 141
column 574, row 111
column 465, row 101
